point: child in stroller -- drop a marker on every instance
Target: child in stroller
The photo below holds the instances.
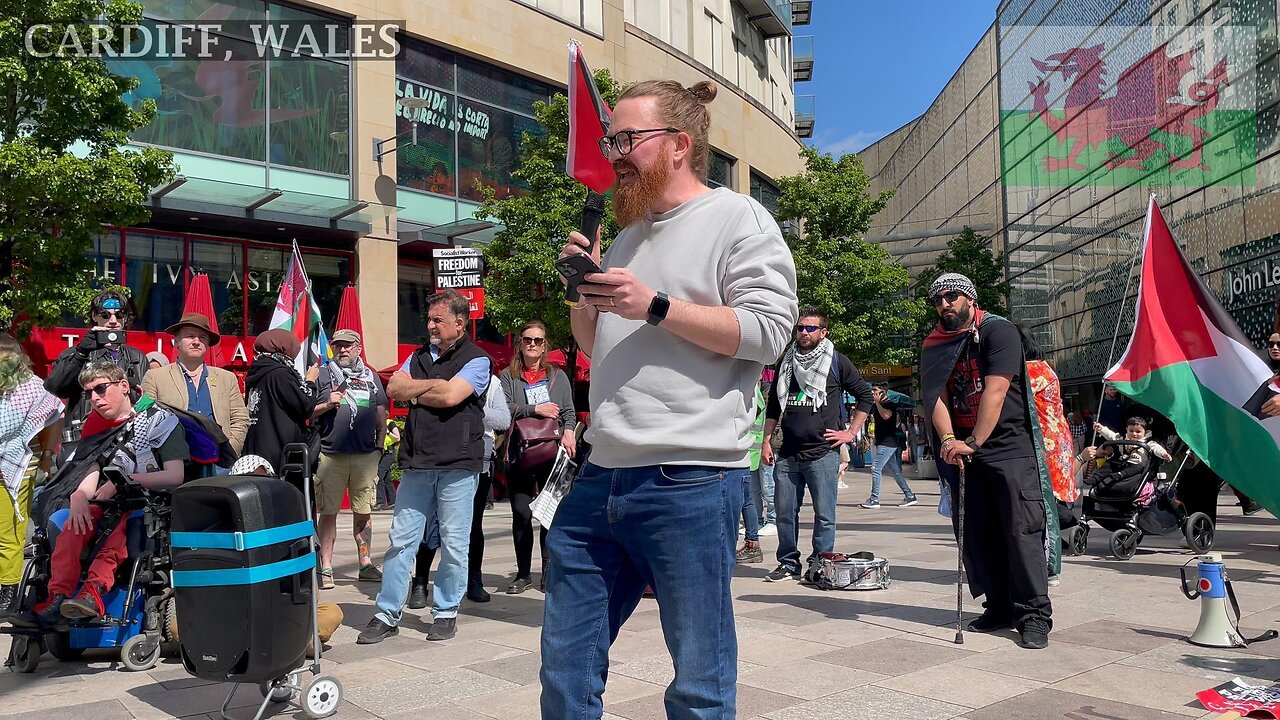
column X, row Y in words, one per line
column 1125, row 473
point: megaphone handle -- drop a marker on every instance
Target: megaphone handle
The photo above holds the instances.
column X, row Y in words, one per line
column 1191, row 594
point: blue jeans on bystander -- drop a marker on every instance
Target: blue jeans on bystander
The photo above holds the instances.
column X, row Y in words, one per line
column 791, row 477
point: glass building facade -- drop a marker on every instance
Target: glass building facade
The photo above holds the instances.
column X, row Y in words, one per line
column 1104, row 104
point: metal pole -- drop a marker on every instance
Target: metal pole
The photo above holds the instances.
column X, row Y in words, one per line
column 1115, row 335
column 960, row 562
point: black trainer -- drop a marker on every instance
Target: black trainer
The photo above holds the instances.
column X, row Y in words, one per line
column 418, row 594
column 477, row 593
column 990, row 622
column 375, row 632
column 1034, row 634
column 782, row 573
column 443, row 629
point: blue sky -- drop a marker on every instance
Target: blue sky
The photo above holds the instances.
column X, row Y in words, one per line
column 879, row 64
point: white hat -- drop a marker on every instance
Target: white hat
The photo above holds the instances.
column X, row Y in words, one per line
column 250, row 464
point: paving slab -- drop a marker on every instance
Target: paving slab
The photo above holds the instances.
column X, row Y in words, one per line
column 892, row 656
column 870, row 703
column 1054, row 704
column 959, row 685
column 1118, row 635
column 1171, row 692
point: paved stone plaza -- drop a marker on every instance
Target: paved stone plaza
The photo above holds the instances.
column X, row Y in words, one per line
column 1116, row 651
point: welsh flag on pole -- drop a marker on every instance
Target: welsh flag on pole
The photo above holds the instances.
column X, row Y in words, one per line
column 297, row 312
column 1189, row 361
column 589, row 120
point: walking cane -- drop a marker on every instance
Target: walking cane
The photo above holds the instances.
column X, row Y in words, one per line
column 960, row 563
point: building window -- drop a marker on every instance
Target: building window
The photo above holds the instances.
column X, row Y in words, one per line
column 586, row 14
column 720, row 170
column 765, row 192
column 470, row 126
column 717, row 43
column 416, row 283
column 296, row 112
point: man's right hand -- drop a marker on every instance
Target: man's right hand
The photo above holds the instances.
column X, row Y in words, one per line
column 547, row 410
column 89, row 342
column 577, row 245
column 81, row 520
column 766, row 453
column 313, row 372
column 335, row 398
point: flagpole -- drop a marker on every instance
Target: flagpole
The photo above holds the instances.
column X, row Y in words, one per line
column 1111, row 354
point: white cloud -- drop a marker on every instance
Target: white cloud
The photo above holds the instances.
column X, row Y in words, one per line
column 838, row 144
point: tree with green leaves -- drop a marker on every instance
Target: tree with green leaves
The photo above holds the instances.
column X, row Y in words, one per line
column 53, row 202
column 522, row 283
column 860, row 287
column 971, row 256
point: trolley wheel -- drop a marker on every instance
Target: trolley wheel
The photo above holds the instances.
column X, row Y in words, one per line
column 26, row 652
column 140, row 653
column 59, row 644
column 280, row 693
column 1079, row 539
column 1198, row 529
column 1124, row 543
column 322, row 696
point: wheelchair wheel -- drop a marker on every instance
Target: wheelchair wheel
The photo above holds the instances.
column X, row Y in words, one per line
column 1079, row 539
column 1198, row 529
column 139, row 653
column 1124, row 543
column 26, row 652
column 59, row 644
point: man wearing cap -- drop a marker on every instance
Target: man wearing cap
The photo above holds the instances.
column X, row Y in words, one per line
column 189, row 384
column 353, row 424
column 109, row 310
column 972, row 368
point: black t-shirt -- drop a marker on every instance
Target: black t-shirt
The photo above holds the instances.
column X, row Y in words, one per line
column 998, row 352
column 802, row 428
column 886, row 428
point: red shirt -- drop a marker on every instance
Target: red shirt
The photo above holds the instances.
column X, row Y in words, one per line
column 533, row 376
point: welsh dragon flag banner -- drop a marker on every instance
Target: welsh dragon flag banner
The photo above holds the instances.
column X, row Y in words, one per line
column 1188, row 360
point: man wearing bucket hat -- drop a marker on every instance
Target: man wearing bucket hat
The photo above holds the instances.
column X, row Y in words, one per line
column 972, row 369
column 189, row 384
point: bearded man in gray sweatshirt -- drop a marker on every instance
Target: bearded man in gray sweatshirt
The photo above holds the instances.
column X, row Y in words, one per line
column 698, row 293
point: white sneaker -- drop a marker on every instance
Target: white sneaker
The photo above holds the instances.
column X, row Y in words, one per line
column 870, row 506
column 842, row 485
column 768, row 529
column 1054, row 581
column 908, row 503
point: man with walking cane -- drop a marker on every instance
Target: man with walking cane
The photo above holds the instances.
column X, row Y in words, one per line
column 972, row 372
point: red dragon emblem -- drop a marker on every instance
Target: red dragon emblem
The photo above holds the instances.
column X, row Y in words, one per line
column 1147, row 99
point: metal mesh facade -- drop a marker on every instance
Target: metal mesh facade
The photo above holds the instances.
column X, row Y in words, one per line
column 1104, row 103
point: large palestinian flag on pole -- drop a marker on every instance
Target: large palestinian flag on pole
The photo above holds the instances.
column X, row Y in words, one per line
column 1189, row 361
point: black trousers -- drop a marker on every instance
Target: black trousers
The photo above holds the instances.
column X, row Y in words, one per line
column 386, row 486
column 1004, row 536
column 475, row 551
column 524, row 486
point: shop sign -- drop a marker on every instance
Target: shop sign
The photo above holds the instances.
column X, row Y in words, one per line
column 882, row 370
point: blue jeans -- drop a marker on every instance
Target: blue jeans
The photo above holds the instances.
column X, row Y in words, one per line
column 426, row 497
column 672, row 528
column 762, row 494
column 889, row 457
column 750, row 516
column 791, row 477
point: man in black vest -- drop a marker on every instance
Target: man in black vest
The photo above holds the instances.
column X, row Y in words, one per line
column 441, row 452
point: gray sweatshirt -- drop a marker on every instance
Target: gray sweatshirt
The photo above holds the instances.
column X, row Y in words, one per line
column 659, row 399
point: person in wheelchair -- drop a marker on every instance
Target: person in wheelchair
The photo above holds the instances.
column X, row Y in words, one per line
column 150, row 451
column 1128, row 463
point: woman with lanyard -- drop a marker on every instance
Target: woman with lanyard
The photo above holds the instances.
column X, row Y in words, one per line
column 534, row 389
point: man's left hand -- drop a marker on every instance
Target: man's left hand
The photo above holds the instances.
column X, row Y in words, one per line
column 618, row 291
column 1271, row 407
column 839, row 437
column 106, row 491
column 957, row 452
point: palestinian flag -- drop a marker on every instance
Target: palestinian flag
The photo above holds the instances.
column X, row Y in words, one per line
column 589, row 120
column 1188, row 360
column 296, row 311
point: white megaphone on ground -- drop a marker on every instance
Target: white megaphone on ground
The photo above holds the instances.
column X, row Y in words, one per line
column 1217, row 627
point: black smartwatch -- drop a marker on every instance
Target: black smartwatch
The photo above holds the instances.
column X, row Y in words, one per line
column 658, row 308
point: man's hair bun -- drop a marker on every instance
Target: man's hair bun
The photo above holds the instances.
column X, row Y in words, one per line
column 704, row 92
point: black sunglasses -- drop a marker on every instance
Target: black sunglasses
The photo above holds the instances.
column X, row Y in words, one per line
column 1273, row 344
column 947, row 296
column 810, row 328
column 533, row 341
column 117, row 314
column 624, row 141
column 100, row 389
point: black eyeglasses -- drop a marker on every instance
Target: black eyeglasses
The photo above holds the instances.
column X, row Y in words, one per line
column 810, row 328
column 624, row 141
column 535, row 341
column 1273, row 344
column 950, row 297
column 101, row 389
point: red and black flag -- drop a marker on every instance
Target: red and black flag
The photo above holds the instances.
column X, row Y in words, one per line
column 589, row 120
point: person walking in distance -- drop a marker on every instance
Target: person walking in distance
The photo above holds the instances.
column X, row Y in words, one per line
column 888, row 452
column 442, row 453
column 972, row 377
column 697, row 294
column 812, row 379
column 541, row 401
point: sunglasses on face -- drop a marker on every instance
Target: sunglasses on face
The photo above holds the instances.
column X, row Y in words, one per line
column 101, row 389
column 117, row 314
column 1273, row 344
column 534, row 341
column 809, row 328
column 949, row 297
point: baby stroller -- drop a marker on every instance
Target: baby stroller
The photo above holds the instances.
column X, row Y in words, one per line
column 1120, row 508
column 139, row 608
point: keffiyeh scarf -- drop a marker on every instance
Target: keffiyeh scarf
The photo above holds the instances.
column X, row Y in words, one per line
column 24, row 412
column 358, row 385
column 810, row 371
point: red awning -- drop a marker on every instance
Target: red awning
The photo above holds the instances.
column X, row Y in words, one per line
column 349, row 317
column 200, row 300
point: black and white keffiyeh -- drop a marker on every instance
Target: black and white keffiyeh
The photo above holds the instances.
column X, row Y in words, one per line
column 810, row 371
column 953, row 282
